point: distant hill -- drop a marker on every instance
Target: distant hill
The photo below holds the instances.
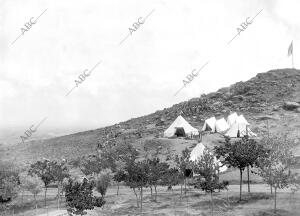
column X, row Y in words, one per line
column 261, row 100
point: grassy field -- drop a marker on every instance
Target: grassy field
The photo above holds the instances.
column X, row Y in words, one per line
column 257, row 203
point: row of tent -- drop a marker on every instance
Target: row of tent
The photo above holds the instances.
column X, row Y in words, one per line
column 235, row 126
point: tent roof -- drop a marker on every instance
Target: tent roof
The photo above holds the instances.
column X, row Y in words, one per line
column 221, row 125
column 232, row 118
column 180, row 122
column 211, row 122
column 197, row 153
column 241, row 119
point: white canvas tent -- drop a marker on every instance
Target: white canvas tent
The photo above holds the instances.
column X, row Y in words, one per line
column 180, row 122
column 231, row 119
column 221, row 125
column 210, row 124
column 197, row 153
column 239, row 130
column 241, row 120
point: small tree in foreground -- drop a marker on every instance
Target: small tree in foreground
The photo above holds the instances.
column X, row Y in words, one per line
column 79, row 197
column 33, row 184
column 183, row 163
column 119, row 176
column 240, row 154
column 43, row 170
column 103, row 182
column 206, row 175
column 275, row 168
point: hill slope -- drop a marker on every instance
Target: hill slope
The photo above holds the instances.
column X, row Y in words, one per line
column 259, row 99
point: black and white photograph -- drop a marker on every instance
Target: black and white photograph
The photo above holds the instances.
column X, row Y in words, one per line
column 158, row 107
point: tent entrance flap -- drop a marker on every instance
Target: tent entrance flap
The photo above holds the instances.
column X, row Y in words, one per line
column 179, row 132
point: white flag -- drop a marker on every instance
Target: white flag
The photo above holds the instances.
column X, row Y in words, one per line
column 290, row 51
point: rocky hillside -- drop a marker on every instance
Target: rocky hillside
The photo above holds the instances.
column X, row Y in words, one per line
column 269, row 100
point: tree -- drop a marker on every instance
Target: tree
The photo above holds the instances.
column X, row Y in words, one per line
column 157, row 170
column 59, row 171
column 9, row 182
column 90, row 165
column 119, row 176
column 33, row 184
column 206, row 175
column 102, row 182
column 183, row 163
column 43, row 169
column 79, row 197
column 137, row 178
column 240, row 154
column 275, row 167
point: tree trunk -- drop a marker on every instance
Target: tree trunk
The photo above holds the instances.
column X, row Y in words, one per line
column 58, row 196
column 275, row 193
column 248, row 175
column 181, row 191
column 151, row 190
column 46, row 196
column 142, row 197
column 35, row 204
column 23, row 196
column 241, row 182
column 155, row 192
column 185, row 186
column 271, row 188
column 137, row 199
column 118, row 189
column 219, row 178
column 212, row 204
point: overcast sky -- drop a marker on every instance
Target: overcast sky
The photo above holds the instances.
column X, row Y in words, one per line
column 142, row 74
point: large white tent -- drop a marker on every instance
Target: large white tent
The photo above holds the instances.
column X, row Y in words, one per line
column 180, row 122
column 221, row 125
column 231, row 119
column 197, row 153
column 210, row 124
column 239, row 130
column 241, row 120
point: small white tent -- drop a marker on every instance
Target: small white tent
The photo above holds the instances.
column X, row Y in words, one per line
column 239, row 130
column 180, row 122
column 210, row 124
column 221, row 125
column 231, row 119
column 197, row 153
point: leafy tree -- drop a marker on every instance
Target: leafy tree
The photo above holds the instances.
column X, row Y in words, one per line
column 33, row 184
column 206, row 175
column 240, row 154
column 119, row 176
column 157, row 170
column 43, row 169
column 103, row 181
column 90, row 165
column 137, row 178
column 171, row 178
column 275, row 167
column 79, row 197
column 183, row 163
column 59, row 171
column 9, row 182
